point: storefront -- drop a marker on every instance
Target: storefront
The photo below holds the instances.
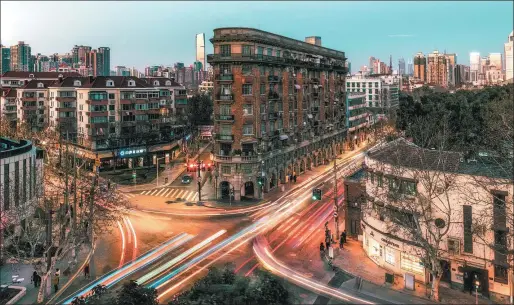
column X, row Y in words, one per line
column 392, row 254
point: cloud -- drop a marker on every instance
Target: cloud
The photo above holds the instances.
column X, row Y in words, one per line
column 401, row 35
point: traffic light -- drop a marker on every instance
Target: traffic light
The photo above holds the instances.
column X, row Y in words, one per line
column 316, row 194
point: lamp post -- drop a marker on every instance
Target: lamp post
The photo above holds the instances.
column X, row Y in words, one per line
column 477, row 284
column 157, row 165
column 199, row 165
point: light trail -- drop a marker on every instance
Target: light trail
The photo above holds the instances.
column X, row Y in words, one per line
column 179, row 258
column 134, row 255
column 122, row 258
column 262, row 252
column 118, row 274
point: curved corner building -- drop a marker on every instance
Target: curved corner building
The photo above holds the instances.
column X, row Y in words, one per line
column 279, row 109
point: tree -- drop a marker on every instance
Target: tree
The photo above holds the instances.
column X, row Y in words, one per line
column 223, row 286
column 134, row 294
column 199, row 110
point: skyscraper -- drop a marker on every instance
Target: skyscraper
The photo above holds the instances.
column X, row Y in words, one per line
column 315, row 40
column 200, row 49
column 20, row 57
column 437, row 73
column 401, row 66
column 80, row 55
column 495, row 59
column 410, row 67
column 6, row 60
column 106, row 60
column 509, row 46
column 474, row 66
column 420, row 67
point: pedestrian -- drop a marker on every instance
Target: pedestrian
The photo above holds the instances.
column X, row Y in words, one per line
column 86, row 271
column 341, row 242
column 294, row 178
column 55, row 282
column 327, row 242
column 38, row 278
column 321, row 248
column 343, row 235
column 33, row 278
column 57, row 272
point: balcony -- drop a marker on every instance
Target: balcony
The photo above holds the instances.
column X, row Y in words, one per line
column 180, row 102
column 66, row 109
column 97, row 125
column 98, row 102
column 314, row 80
column 225, row 117
column 236, row 159
column 225, row 97
column 180, row 96
column 225, row 78
column 31, row 107
column 225, row 138
column 29, row 98
column 273, row 95
column 66, row 119
column 66, row 98
column 97, row 113
column 272, row 116
column 263, row 59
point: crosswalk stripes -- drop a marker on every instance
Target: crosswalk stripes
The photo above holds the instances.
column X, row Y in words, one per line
column 171, row 193
column 129, row 195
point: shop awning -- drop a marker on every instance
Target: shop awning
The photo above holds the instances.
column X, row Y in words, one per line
column 283, row 137
column 298, row 86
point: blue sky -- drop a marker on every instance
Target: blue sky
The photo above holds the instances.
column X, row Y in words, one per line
column 142, row 33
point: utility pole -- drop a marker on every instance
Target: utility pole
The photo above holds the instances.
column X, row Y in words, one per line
column 91, row 225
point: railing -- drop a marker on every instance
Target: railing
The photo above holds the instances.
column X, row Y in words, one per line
column 273, row 59
column 226, row 77
column 225, row 117
column 273, row 78
column 273, row 95
column 224, row 137
column 225, row 97
column 181, row 102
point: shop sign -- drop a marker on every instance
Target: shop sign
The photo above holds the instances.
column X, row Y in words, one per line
column 390, row 243
column 127, row 153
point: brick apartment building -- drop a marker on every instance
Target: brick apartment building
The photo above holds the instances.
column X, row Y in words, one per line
column 279, row 108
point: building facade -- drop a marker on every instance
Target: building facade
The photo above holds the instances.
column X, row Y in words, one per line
column 474, row 67
column 420, row 67
column 357, row 118
column 437, row 69
column 21, row 176
column 278, row 109
column 465, row 194
column 8, row 107
column 509, row 63
column 200, row 49
column 32, row 104
column 6, row 60
column 20, row 57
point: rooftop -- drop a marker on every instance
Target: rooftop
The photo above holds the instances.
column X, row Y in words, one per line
column 10, row 148
column 55, row 75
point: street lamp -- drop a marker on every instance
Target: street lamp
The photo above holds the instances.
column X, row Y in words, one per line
column 157, row 164
column 477, row 285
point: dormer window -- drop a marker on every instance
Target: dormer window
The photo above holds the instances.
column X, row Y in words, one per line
column 31, row 75
column 109, row 83
column 168, row 83
column 40, row 85
column 156, row 83
column 131, row 83
column 60, row 76
column 77, row 83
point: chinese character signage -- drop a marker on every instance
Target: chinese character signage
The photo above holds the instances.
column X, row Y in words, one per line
column 132, row 152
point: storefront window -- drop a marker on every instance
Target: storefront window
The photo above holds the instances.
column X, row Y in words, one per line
column 389, row 256
column 411, row 263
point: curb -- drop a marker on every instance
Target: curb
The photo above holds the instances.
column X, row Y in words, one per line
column 18, row 296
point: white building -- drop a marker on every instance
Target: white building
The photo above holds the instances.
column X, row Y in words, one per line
column 474, row 67
column 400, row 176
column 509, row 46
column 21, row 179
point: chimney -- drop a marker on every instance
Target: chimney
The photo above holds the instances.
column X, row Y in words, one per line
column 90, row 79
column 60, row 79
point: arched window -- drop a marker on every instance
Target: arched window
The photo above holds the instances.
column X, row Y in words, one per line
column 31, row 75
column 168, row 83
column 40, row 85
column 77, row 83
column 156, row 83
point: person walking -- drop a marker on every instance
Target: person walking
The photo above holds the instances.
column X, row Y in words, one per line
column 33, row 278
column 341, row 241
column 55, row 282
column 321, row 248
column 86, row 271
column 343, row 235
column 327, row 242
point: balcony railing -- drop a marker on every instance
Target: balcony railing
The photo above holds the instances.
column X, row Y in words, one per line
column 226, row 77
column 181, row 102
column 337, row 66
column 224, row 137
column 272, row 95
column 225, row 97
column 273, row 79
column 225, row 117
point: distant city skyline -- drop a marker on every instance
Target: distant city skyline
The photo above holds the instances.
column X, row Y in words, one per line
column 146, row 42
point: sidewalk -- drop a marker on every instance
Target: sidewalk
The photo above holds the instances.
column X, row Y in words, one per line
column 25, row 272
column 354, row 260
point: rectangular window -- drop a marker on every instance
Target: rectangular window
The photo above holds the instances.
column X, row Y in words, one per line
column 111, row 107
column 372, row 177
column 226, row 169
column 247, row 109
column 247, row 69
column 16, row 183
column 389, row 256
column 467, row 222
column 409, row 188
column 7, row 187
column 247, row 129
column 247, row 50
column 263, row 88
column 501, row 274
column 278, row 53
column 247, row 89
column 246, row 169
column 225, row 110
column 270, row 52
column 262, row 70
column 24, row 185
column 111, row 96
column 226, row 129
column 411, row 263
column 225, row 50
column 260, row 51
column 263, row 128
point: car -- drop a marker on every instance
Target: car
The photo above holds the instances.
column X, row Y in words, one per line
column 186, row 179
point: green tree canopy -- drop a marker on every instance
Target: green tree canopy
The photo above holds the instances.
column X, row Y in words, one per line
column 199, row 110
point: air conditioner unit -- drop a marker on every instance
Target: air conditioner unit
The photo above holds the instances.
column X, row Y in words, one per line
column 453, row 246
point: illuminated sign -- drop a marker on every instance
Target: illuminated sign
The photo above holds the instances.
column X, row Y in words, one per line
column 127, row 153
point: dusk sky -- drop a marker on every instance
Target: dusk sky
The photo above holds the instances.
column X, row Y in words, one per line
column 146, row 33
